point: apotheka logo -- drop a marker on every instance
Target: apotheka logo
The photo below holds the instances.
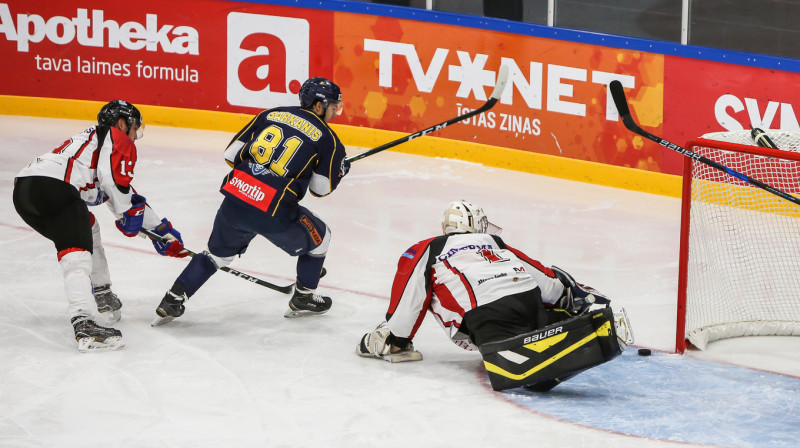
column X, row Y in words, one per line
column 259, row 50
column 91, row 32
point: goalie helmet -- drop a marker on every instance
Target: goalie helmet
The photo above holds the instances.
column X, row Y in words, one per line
column 464, row 217
column 117, row 109
column 322, row 90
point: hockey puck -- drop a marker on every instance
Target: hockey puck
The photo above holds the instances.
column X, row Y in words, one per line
column 644, row 352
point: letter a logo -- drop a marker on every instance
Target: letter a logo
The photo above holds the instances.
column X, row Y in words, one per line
column 259, row 47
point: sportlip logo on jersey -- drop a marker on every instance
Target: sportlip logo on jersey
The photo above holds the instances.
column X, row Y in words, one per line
column 258, row 49
column 248, row 189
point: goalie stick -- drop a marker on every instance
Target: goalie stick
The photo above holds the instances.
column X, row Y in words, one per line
column 284, row 289
column 500, row 85
column 618, row 94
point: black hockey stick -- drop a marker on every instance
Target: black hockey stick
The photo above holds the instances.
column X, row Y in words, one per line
column 500, row 85
column 284, row 289
column 762, row 139
column 618, row 94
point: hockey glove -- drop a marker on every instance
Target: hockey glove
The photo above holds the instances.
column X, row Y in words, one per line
column 131, row 221
column 345, row 168
column 376, row 345
column 577, row 298
column 170, row 244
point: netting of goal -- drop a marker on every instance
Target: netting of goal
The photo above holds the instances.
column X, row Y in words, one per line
column 739, row 269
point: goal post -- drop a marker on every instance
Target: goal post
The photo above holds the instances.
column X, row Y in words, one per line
column 739, row 265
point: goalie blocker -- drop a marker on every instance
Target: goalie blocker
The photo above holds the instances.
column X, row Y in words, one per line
column 543, row 358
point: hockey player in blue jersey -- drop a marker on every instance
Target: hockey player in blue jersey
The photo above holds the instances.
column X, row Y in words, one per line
column 276, row 158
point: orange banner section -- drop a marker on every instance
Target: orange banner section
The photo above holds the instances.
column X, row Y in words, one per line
column 403, row 75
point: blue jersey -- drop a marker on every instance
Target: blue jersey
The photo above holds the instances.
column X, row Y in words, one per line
column 281, row 154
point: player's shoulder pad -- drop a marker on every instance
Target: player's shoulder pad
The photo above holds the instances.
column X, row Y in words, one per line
column 413, row 254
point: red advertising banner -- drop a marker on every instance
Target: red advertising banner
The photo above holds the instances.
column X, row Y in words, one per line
column 395, row 74
column 198, row 54
column 710, row 96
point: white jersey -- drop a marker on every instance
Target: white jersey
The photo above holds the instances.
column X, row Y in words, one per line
column 452, row 274
column 100, row 171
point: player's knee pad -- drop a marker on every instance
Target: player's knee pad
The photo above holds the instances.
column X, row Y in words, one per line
column 76, row 265
column 100, row 272
column 219, row 262
column 75, row 261
column 558, row 351
column 322, row 249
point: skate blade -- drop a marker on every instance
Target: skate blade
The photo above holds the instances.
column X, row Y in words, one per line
column 91, row 345
column 291, row 313
column 111, row 317
column 161, row 321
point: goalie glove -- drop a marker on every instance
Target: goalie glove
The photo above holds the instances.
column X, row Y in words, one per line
column 577, row 298
column 131, row 221
column 375, row 345
column 170, row 244
column 622, row 327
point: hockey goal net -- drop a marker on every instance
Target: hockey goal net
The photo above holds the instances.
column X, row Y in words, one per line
column 739, row 271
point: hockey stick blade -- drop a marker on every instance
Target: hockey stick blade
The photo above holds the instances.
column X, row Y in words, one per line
column 500, row 85
column 618, row 94
column 283, row 289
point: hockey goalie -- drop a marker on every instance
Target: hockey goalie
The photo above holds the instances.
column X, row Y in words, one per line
column 534, row 326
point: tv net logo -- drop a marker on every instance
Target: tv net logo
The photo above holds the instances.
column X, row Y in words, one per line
column 268, row 59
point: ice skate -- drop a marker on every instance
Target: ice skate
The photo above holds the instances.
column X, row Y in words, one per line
column 171, row 306
column 94, row 338
column 622, row 328
column 305, row 303
column 108, row 304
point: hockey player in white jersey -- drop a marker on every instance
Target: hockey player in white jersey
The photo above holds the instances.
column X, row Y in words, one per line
column 490, row 296
column 51, row 195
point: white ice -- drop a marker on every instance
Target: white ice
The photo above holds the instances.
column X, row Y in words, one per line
column 233, row 372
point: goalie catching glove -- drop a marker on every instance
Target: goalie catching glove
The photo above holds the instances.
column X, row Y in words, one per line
column 577, row 298
column 170, row 244
column 378, row 345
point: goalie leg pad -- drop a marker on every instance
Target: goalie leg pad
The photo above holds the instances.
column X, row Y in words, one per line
column 556, row 352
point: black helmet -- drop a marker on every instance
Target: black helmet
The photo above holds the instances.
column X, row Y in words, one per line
column 319, row 89
column 117, row 109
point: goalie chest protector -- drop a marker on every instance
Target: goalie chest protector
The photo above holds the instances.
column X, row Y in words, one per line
column 560, row 350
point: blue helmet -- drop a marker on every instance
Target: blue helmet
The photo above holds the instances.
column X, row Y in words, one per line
column 319, row 89
column 117, row 109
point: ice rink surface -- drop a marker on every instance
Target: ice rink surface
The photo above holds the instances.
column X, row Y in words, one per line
column 233, row 372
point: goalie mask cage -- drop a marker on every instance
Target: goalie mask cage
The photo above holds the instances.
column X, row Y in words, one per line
column 739, row 271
